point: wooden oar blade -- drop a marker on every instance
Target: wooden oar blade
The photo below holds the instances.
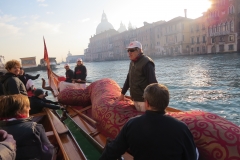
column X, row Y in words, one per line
column 60, row 127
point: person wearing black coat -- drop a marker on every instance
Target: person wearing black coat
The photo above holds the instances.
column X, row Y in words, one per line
column 10, row 81
column 69, row 73
column 80, row 74
column 38, row 102
column 153, row 135
column 1, row 86
column 27, row 79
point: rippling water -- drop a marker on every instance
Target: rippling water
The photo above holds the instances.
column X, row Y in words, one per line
column 202, row 82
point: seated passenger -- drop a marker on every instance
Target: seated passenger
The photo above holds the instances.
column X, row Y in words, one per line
column 38, row 102
column 27, row 79
column 11, row 83
column 153, row 135
column 7, row 146
column 31, row 140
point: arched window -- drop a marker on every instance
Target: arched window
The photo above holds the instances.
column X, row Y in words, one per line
column 224, row 26
column 231, row 26
column 219, row 28
column 231, row 9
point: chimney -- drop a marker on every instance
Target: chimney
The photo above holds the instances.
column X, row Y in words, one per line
column 185, row 12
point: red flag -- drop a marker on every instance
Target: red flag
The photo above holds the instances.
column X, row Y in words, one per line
column 52, row 77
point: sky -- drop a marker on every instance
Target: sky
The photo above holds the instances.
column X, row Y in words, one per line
column 67, row 25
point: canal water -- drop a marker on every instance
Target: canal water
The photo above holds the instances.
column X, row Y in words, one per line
column 202, row 82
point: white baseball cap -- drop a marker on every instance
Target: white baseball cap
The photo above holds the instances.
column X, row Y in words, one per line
column 135, row 44
column 65, row 65
column 79, row 59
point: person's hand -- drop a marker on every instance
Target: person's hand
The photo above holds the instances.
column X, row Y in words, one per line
column 43, row 79
column 79, row 80
column 3, row 135
column 121, row 97
column 73, row 81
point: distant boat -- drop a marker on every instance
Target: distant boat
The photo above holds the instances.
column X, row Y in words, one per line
column 29, row 64
column 2, row 64
column 53, row 63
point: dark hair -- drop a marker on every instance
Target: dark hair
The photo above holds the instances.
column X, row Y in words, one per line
column 12, row 105
column 157, row 96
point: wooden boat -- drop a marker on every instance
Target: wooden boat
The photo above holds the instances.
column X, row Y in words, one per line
column 60, row 136
column 82, row 118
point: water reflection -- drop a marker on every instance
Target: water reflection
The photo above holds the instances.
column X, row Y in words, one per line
column 207, row 82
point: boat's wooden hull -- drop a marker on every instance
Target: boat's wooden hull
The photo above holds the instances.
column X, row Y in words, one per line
column 60, row 137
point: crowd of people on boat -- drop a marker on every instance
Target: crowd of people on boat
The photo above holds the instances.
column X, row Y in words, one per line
column 152, row 135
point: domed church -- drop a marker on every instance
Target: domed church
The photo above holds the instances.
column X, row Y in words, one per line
column 104, row 25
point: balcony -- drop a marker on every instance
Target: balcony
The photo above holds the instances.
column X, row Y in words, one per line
column 219, row 33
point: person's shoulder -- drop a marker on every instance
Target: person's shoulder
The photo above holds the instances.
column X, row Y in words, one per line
column 134, row 119
column 174, row 121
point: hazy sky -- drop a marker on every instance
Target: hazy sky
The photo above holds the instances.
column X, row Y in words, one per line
column 67, row 25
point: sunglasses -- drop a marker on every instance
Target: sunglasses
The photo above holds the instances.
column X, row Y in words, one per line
column 131, row 50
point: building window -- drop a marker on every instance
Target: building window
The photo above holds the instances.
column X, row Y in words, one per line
column 203, row 49
column 230, row 47
column 230, row 9
column 191, row 49
column 183, row 36
column 176, row 49
column 197, row 49
column 231, row 26
column 204, row 40
column 192, row 40
column 221, row 48
column 213, row 40
column 221, row 39
column 197, row 39
column 231, row 38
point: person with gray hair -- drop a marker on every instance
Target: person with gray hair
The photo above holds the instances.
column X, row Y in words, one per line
column 153, row 135
column 141, row 73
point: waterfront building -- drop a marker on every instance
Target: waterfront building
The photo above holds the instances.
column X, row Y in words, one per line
column 198, row 36
column 175, row 36
column 73, row 58
column 223, row 26
column 216, row 31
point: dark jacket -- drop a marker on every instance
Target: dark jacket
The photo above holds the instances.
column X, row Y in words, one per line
column 31, row 140
column 12, row 84
column 80, row 72
column 25, row 77
column 37, row 104
column 153, row 136
column 141, row 73
column 69, row 76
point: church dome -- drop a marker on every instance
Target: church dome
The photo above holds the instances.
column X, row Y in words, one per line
column 104, row 25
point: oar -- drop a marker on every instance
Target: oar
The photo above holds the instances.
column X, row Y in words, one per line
column 60, row 127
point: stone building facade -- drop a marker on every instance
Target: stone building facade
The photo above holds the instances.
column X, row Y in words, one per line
column 216, row 31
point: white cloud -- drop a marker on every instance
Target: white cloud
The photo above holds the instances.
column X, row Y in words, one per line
column 40, row 0
column 8, row 30
column 34, row 17
column 49, row 13
column 1, row 11
column 43, row 27
column 85, row 20
column 7, row 18
column 43, row 5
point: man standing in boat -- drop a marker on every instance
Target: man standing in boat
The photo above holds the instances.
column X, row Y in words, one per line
column 11, row 83
column 80, row 74
column 141, row 73
column 153, row 135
